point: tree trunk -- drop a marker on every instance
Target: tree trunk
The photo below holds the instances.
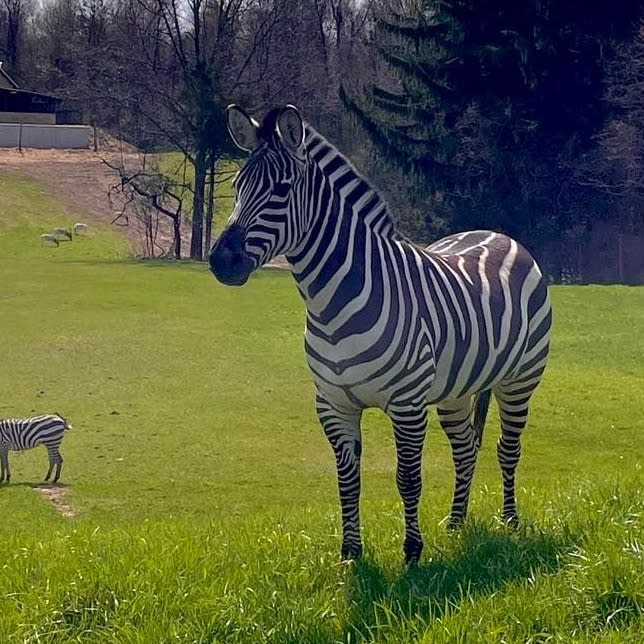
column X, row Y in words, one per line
column 196, row 242
column 176, row 225
column 210, row 210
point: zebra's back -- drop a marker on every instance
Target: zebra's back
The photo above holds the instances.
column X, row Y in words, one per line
column 25, row 433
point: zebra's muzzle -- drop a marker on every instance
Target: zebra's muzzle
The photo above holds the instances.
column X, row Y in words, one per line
column 228, row 262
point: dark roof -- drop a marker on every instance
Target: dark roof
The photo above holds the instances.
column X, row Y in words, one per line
column 35, row 96
column 18, row 100
column 9, row 79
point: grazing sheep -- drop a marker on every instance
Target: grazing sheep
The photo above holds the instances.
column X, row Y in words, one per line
column 63, row 232
column 49, row 238
column 78, row 228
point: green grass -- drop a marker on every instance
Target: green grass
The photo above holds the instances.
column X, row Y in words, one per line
column 205, row 491
column 27, row 211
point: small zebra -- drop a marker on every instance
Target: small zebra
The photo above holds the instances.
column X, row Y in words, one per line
column 388, row 324
column 18, row 434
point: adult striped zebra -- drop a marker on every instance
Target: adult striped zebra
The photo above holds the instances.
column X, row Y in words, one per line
column 388, row 324
column 24, row 433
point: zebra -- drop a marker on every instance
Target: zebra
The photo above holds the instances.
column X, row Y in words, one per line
column 25, row 433
column 389, row 324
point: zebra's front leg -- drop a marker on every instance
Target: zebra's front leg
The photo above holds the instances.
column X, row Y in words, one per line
column 342, row 429
column 410, row 425
column 455, row 417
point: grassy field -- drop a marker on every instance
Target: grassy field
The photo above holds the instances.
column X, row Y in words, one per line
column 204, row 490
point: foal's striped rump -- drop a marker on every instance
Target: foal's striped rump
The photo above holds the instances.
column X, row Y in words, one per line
column 17, row 434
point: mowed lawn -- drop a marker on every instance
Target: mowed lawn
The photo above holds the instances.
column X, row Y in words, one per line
column 204, row 491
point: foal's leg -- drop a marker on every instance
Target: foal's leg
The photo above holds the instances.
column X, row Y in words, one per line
column 5, row 473
column 410, row 424
column 455, row 417
column 55, row 459
column 342, row 429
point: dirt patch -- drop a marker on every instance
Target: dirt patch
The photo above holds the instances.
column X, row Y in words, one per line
column 82, row 181
column 56, row 496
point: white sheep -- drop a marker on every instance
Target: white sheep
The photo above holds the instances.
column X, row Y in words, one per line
column 62, row 232
column 78, row 228
column 49, row 238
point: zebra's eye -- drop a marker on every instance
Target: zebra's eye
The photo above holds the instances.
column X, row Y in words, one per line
column 281, row 188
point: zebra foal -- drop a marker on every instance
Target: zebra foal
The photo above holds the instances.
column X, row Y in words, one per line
column 388, row 324
column 25, row 433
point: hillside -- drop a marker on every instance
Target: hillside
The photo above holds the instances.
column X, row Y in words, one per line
column 82, row 181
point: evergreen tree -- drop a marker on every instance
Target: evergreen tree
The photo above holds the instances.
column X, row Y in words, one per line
column 489, row 102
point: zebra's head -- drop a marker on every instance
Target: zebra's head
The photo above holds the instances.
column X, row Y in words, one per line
column 267, row 219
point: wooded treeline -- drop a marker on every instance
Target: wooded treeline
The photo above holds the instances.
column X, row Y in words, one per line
column 522, row 116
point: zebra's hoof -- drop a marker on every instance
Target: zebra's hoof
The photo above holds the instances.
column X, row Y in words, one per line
column 412, row 548
column 455, row 523
column 351, row 551
column 511, row 521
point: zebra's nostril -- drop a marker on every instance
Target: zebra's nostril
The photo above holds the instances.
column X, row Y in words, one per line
column 228, row 263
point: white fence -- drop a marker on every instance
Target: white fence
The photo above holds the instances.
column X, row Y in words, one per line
column 29, row 135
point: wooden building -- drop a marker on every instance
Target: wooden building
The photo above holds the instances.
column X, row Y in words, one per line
column 20, row 106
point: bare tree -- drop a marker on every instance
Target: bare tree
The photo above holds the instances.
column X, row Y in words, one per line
column 149, row 191
column 13, row 17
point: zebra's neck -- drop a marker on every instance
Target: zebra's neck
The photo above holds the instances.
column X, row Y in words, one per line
column 346, row 219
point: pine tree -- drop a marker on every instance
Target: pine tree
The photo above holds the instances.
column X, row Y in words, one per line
column 487, row 100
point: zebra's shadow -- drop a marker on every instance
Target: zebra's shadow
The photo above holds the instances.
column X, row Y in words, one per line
column 482, row 560
column 34, row 485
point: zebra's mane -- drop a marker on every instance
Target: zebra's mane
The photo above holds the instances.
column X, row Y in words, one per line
column 329, row 159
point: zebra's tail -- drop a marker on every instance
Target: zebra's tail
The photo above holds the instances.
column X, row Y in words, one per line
column 68, row 425
column 481, row 406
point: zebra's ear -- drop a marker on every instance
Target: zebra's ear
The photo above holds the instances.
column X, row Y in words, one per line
column 242, row 128
column 290, row 129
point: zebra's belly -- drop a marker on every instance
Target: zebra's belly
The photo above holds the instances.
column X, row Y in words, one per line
column 371, row 369
column 365, row 385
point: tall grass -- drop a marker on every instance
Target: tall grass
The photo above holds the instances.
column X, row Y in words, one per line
column 205, row 492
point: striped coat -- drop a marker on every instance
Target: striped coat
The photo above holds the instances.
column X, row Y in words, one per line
column 17, row 434
column 389, row 324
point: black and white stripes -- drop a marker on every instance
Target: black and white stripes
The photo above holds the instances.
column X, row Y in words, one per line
column 17, row 434
column 389, row 324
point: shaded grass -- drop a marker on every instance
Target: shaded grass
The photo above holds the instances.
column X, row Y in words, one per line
column 207, row 493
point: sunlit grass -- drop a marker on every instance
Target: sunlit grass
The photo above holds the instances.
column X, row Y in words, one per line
column 27, row 210
column 205, row 491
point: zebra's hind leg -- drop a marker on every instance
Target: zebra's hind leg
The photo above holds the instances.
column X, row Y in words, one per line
column 513, row 411
column 455, row 417
column 5, row 472
column 410, row 424
column 342, row 429
column 55, row 459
